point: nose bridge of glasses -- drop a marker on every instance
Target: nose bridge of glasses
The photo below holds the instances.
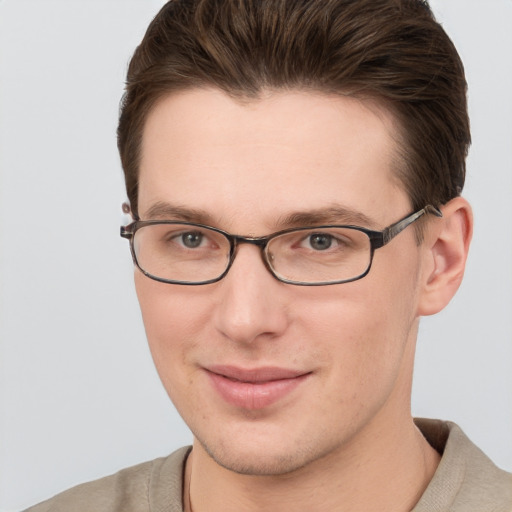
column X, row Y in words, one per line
column 260, row 242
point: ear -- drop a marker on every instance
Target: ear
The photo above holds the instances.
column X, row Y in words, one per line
column 445, row 250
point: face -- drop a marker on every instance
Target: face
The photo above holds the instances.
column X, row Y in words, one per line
column 270, row 376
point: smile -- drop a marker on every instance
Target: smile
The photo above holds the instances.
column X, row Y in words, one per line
column 256, row 388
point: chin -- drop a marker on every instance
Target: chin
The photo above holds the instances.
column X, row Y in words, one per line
column 261, row 460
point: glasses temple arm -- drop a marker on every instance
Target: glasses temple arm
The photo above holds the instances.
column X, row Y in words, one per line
column 390, row 232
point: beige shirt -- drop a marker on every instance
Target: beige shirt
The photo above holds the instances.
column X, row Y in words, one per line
column 465, row 481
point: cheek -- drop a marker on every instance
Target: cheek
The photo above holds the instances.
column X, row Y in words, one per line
column 363, row 329
column 172, row 325
column 348, row 336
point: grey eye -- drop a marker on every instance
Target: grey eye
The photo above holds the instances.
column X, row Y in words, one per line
column 320, row 241
column 192, row 239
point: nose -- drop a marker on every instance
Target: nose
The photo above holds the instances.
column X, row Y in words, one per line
column 252, row 303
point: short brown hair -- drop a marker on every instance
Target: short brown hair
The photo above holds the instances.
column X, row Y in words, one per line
column 390, row 50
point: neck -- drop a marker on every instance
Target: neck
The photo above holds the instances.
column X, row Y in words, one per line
column 390, row 474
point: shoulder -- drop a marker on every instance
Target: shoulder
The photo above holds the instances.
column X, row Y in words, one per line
column 466, row 479
column 131, row 489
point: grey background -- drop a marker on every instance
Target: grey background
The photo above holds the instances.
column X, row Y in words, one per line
column 79, row 397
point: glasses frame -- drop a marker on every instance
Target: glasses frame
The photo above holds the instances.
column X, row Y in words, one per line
column 377, row 239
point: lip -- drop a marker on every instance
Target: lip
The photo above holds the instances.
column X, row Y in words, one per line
column 254, row 388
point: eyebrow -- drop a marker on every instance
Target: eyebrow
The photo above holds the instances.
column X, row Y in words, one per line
column 331, row 215
column 166, row 211
column 335, row 214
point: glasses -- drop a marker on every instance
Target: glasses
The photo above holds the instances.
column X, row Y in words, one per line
column 194, row 254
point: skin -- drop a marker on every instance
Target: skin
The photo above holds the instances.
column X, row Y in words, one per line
column 245, row 167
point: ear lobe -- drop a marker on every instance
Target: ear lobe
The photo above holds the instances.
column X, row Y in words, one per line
column 446, row 248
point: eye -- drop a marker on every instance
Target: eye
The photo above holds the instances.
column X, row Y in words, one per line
column 192, row 239
column 320, row 241
column 328, row 241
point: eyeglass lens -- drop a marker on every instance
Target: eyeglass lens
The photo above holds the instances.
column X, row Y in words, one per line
column 194, row 254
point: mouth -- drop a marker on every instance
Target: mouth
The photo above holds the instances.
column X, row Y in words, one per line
column 256, row 388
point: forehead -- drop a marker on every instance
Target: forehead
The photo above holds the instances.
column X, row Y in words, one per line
column 265, row 158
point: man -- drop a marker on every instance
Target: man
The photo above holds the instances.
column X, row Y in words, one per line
column 294, row 172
